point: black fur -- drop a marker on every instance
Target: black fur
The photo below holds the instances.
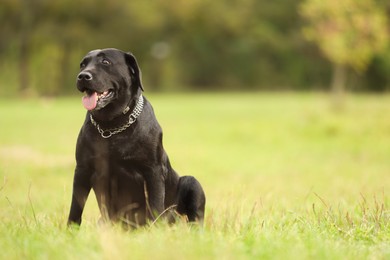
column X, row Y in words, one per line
column 129, row 172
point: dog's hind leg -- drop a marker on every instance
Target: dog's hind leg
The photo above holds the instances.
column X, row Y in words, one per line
column 190, row 199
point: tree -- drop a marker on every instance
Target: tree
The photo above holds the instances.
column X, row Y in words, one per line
column 348, row 32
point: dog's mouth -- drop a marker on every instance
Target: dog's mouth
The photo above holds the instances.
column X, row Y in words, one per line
column 97, row 100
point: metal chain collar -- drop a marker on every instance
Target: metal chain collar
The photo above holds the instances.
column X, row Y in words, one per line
column 107, row 133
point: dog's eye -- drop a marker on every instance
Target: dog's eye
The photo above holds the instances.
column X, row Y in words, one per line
column 106, row 62
column 82, row 65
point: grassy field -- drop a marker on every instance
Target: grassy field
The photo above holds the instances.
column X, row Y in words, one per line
column 286, row 177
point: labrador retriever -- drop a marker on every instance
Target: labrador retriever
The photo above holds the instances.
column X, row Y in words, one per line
column 119, row 151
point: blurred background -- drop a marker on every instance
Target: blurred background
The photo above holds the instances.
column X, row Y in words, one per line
column 185, row 45
column 275, row 158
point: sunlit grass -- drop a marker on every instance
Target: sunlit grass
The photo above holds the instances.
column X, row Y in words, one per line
column 284, row 174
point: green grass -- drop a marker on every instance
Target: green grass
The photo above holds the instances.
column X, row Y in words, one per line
column 286, row 177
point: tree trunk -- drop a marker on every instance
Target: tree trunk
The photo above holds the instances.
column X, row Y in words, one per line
column 24, row 79
column 24, row 54
column 338, row 85
column 65, row 65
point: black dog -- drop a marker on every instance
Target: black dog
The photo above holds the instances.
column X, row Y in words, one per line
column 119, row 150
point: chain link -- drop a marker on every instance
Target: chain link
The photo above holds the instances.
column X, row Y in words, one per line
column 107, row 133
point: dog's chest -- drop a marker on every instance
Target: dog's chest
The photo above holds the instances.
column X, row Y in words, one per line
column 116, row 177
column 116, row 157
column 119, row 149
column 121, row 158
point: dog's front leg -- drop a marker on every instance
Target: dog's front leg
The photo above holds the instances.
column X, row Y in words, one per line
column 81, row 189
column 154, row 189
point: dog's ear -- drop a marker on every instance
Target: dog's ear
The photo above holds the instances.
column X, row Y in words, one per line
column 134, row 70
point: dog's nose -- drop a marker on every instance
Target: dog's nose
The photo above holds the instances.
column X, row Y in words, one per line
column 84, row 76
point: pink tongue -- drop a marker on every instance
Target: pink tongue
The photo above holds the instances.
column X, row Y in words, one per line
column 89, row 101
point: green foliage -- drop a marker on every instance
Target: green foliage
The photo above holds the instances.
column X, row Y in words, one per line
column 347, row 32
column 285, row 178
column 198, row 44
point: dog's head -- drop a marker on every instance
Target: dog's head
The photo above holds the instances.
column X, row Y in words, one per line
column 110, row 79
